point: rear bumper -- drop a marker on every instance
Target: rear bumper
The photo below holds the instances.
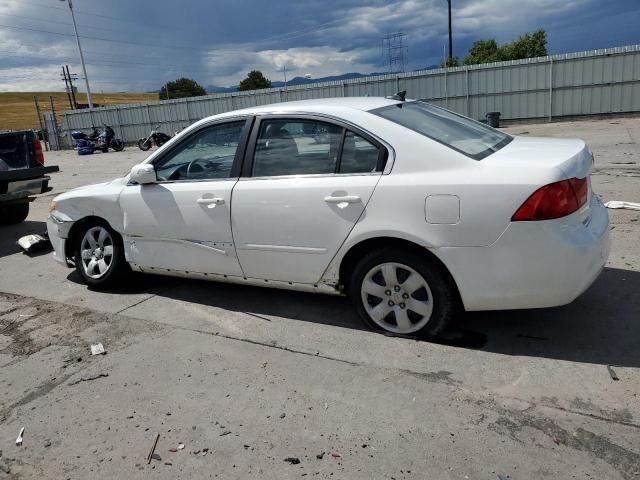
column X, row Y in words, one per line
column 17, row 190
column 58, row 232
column 533, row 264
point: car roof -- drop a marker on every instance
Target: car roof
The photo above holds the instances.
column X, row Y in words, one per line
column 320, row 105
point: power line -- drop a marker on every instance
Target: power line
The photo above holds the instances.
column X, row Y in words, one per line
column 108, row 63
column 46, row 20
column 93, row 14
column 94, row 38
column 284, row 36
column 300, row 32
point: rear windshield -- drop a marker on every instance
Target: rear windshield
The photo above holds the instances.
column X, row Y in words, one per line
column 467, row 136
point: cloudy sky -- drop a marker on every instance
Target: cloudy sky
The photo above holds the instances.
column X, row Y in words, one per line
column 137, row 45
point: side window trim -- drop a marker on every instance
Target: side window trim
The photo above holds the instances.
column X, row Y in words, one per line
column 249, row 154
column 340, row 147
column 238, row 158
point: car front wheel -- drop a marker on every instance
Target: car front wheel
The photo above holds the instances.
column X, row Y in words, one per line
column 403, row 293
column 99, row 256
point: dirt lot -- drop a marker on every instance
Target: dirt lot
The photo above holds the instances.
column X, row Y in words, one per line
column 18, row 111
column 247, row 378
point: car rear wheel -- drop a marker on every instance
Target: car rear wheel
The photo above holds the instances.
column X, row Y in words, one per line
column 99, row 256
column 403, row 293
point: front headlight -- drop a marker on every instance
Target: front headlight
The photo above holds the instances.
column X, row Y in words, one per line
column 52, row 206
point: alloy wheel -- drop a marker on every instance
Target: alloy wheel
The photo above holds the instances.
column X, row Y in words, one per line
column 96, row 250
column 397, row 298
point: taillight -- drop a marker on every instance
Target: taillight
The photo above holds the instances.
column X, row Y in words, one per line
column 555, row 200
column 38, row 149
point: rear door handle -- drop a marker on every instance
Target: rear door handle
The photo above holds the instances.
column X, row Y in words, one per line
column 342, row 199
column 210, row 202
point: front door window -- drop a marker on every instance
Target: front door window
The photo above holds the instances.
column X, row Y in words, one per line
column 207, row 154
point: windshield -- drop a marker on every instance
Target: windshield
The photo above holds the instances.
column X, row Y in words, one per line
column 463, row 134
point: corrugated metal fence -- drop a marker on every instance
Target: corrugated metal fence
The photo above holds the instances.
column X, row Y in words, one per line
column 594, row 82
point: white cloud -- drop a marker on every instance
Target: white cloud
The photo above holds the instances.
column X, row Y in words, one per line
column 229, row 68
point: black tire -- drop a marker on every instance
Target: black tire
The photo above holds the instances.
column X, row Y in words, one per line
column 14, row 213
column 444, row 294
column 144, row 144
column 117, row 145
column 118, row 267
column 105, row 149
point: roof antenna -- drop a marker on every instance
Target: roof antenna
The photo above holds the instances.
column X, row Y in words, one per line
column 399, row 96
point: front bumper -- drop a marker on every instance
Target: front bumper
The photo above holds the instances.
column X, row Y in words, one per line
column 533, row 264
column 58, row 232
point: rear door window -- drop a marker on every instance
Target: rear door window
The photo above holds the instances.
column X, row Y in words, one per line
column 296, row 147
column 358, row 155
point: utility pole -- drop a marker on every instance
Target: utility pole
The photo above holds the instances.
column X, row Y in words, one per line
column 44, row 134
column 55, row 124
column 450, row 62
column 84, row 68
column 67, row 87
column 73, row 92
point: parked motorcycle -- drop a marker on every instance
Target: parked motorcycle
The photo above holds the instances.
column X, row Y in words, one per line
column 156, row 136
column 99, row 140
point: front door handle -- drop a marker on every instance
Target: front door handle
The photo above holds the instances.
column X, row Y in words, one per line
column 210, row 202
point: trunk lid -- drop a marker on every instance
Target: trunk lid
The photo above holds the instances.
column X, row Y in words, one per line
column 571, row 156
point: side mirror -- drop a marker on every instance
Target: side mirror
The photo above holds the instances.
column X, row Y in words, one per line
column 142, row 174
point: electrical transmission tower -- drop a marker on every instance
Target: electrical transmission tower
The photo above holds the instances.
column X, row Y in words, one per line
column 395, row 52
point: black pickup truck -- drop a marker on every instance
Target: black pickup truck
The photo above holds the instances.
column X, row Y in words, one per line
column 22, row 174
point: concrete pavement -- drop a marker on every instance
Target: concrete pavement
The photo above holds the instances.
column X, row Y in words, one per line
column 536, row 401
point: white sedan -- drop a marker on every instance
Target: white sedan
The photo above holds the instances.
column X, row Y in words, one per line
column 414, row 211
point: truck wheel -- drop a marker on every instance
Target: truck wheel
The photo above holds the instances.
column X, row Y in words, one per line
column 403, row 293
column 14, row 213
column 99, row 255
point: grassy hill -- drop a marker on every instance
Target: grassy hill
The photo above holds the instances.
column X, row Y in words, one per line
column 18, row 111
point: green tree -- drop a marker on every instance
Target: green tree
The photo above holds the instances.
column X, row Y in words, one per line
column 255, row 81
column 450, row 62
column 483, row 51
column 529, row 45
column 181, row 88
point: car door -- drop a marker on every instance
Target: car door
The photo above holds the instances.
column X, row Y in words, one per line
column 306, row 181
column 183, row 221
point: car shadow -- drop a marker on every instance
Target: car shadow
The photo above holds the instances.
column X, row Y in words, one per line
column 9, row 235
column 255, row 301
column 601, row 327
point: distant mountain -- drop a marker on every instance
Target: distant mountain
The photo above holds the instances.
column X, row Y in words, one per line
column 297, row 81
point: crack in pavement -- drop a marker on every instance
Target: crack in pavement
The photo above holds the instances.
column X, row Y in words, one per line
column 590, row 415
column 513, row 422
column 137, row 303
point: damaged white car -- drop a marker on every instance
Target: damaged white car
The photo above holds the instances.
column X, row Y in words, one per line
column 414, row 211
